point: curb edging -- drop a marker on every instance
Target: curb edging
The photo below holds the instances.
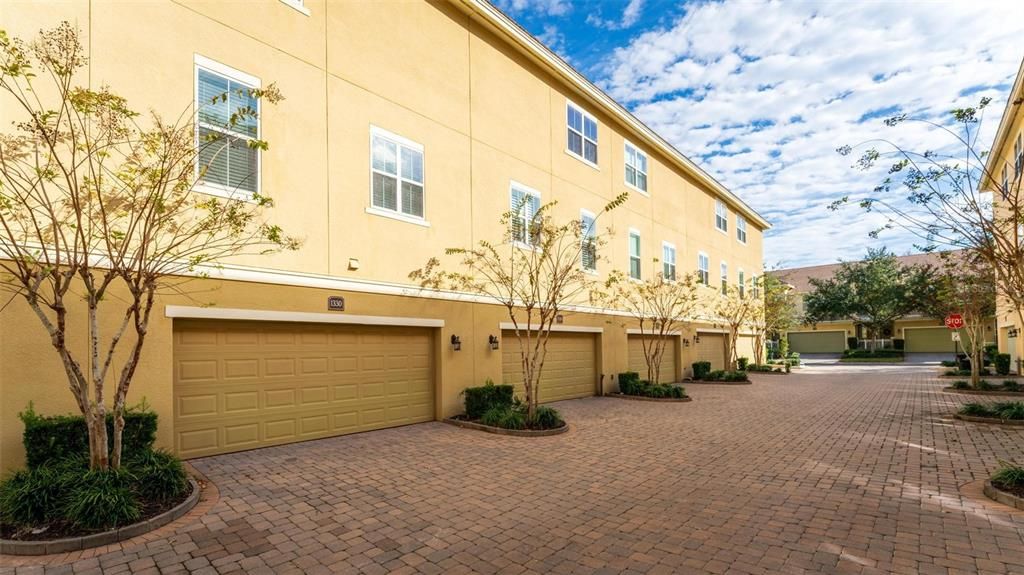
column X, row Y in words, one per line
column 655, row 399
column 1000, row 496
column 508, row 432
column 993, row 420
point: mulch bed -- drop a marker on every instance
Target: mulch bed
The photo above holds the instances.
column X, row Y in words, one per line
column 702, row 382
column 461, row 421
column 981, row 392
column 645, row 398
column 1007, row 495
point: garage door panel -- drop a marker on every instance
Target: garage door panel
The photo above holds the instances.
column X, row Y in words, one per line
column 817, row 341
column 254, row 385
column 928, row 340
column 638, row 361
column 711, row 348
column 569, row 366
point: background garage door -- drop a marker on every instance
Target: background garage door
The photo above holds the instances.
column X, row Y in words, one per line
column 817, row 341
column 711, row 347
column 240, row 385
column 928, row 340
column 745, row 347
column 569, row 368
column 638, row 363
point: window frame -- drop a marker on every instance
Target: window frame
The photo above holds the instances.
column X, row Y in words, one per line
column 741, row 228
column 585, row 234
column 400, row 142
column 1018, row 156
column 583, row 138
column 1005, row 182
column 666, row 248
column 512, row 186
column 755, row 289
column 626, row 145
column 299, row 5
column 723, row 270
column 633, row 232
column 210, row 65
column 740, row 282
column 704, row 268
column 724, row 216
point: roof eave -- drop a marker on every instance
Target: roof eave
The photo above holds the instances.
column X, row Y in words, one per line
column 1009, row 114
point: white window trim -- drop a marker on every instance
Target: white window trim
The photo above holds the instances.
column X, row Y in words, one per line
column 741, row 281
column 639, row 256
column 569, row 103
column 628, row 144
column 513, row 184
column 398, row 214
column 722, row 264
column 298, row 5
column 725, row 217
column 210, row 189
column 705, row 257
column 592, row 216
column 739, row 219
column 675, row 259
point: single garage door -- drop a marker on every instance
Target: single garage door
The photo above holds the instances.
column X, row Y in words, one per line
column 928, row 340
column 711, row 347
column 745, row 347
column 638, row 362
column 240, row 385
column 817, row 341
column 569, row 368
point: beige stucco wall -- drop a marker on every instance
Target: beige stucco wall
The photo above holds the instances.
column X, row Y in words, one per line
column 484, row 113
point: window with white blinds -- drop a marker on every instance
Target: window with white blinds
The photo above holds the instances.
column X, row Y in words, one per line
column 582, row 133
column 396, row 174
column 525, row 205
column 704, row 268
column 634, row 254
column 588, row 238
column 228, row 162
column 668, row 261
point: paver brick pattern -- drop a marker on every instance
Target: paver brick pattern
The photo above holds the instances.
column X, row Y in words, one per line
column 834, row 470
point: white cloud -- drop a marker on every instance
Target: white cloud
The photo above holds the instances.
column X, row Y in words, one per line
column 630, row 15
column 542, row 7
column 762, row 93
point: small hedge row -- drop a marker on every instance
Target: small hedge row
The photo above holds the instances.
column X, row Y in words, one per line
column 1008, row 385
column 966, row 372
column 873, row 353
column 701, row 369
column 763, row 368
column 631, row 384
column 1010, row 410
column 55, row 438
column 497, row 406
column 722, row 375
column 480, row 399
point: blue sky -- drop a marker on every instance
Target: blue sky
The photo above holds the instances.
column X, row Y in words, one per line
column 761, row 93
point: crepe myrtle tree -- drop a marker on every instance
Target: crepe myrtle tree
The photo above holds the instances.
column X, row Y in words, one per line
column 955, row 196
column 535, row 270
column 779, row 312
column 660, row 306
column 737, row 309
column 964, row 283
column 874, row 292
column 97, row 206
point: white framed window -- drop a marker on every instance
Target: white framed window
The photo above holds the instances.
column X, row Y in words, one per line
column 1005, row 182
column 525, row 205
column 741, row 283
column 755, row 287
column 299, row 5
column 668, row 261
column 581, row 134
column 228, row 161
column 704, row 268
column 1018, row 157
column 588, row 238
column 396, row 176
column 721, row 216
column 741, row 228
column 636, row 168
column 724, row 268
column 634, row 254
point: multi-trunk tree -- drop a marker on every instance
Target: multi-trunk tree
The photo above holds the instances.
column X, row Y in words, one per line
column 779, row 313
column 97, row 206
column 736, row 308
column 536, row 270
column 660, row 307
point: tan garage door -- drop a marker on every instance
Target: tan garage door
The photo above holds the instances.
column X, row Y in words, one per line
column 817, row 341
column 240, row 385
column 928, row 340
column 569, row 367
column 711, row 347
column 638, row 363
column 745, row 347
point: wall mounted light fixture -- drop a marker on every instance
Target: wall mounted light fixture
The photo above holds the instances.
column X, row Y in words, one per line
column 456, row 343
column 559, row 318
column 686, row 342
column 696, row 339
column 492, row 340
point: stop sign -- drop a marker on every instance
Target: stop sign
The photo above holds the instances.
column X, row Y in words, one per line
column 954, row 321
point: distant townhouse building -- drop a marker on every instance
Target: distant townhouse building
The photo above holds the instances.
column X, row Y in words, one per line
column 916, row 333
column 406, row 128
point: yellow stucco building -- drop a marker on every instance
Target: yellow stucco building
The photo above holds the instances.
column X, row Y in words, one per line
column 406, row 128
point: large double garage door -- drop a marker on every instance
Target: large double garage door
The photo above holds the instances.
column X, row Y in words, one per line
column 569, row 372
column 242, row 384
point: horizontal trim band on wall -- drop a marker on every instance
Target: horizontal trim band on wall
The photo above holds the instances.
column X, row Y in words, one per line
column 192, row 312
column 635, row 331
column 507, row 325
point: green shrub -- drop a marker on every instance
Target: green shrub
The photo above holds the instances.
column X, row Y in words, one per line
column 760, row 368
column 898, row 344
column 1009, row 476
column 629, row 381
column 1002, row 363
column 481, row 399
column 851, row 343
column 990, row 351
column 976, row 410
column 701, row 369
column 948, row 363
column 59, row 437
column 984, row 386
column 742, row 362
column 546, row 418
column 1009, row 410
column 34, row 496
column 787, row 367
column 1011, row 385
column 716, row 375
column 658, row 390
column 504, row 416
column 877, row 353
column 159, row 476
column 102, row 500
column 961, row 384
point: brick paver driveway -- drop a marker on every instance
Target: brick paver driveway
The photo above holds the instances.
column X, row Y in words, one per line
column 841, row 469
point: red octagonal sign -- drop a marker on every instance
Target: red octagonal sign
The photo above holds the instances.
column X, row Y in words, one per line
column 954, row 321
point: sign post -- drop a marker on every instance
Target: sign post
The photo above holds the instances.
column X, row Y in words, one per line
column 955, row 321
